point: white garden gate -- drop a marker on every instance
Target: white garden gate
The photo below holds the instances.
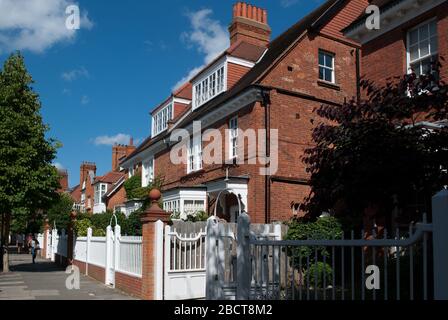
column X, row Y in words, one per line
column 185, row 261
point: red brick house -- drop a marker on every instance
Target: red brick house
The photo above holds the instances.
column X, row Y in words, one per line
column 255, row 84
column 412, row 34
column 98, row 194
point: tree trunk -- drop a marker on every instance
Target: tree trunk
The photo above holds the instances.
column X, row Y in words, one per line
column 6, row 222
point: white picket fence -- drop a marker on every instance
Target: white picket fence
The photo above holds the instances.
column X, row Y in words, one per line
column 114, row 253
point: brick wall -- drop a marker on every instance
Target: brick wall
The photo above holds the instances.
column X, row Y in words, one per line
column 94, row 271
column 118, row 198
column 129, row 284
column 234, row 73
column 389, row 50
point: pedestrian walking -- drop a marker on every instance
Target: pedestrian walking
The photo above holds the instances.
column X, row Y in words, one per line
column 34, row 248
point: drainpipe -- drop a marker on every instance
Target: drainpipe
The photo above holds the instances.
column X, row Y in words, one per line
column 266, row 103
column 358, row 77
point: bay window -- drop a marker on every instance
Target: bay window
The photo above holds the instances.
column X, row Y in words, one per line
column 100, row 192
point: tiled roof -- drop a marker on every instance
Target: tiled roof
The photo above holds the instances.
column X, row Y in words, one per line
column 110, row 178
column 275, row 51
column 75, row 192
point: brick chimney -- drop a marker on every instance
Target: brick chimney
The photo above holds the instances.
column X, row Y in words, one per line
column 88, row 169
column 119, row 152
column 250, row 24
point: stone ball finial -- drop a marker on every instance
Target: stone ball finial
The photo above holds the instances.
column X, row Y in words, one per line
column 155, row 195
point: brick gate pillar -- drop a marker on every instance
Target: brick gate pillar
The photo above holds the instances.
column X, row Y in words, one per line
column 151, row 246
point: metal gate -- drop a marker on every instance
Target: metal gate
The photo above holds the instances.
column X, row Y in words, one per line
column 184, row 276
column 401, row 265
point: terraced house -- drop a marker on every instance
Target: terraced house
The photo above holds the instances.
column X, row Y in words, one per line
column 255, row 84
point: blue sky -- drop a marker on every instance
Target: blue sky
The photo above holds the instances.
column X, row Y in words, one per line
column 98, row 84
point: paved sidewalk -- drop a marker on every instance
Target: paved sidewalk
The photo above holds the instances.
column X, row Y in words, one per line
column 46, row 281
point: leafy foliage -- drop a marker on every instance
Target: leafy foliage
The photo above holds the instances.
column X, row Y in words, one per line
column 325, row 228
column 27, row 177
column 314, row 276
column 59, row 212
column 367, row 152
column 130, row 226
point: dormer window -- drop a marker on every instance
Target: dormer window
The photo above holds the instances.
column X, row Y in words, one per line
column 210, row 85
column 161, row 118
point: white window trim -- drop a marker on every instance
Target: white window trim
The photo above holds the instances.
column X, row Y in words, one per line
column 145, row 181
column 408, row 44
column 131, row 171
column 333, row 73
column 213, row 69
column 184, row 195
column 231, row 154
column 101, row 195
column 164, row 125
column 195, row 143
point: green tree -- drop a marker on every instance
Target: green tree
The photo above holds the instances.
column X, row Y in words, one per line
column 27, row 177
column 59, row 212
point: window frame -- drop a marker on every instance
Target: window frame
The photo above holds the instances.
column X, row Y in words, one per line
column 194, row 154
column 148, row 173
column 210, row 85
column 233, row 150
column 161, row 118
column 431, row 54
column 332, row 69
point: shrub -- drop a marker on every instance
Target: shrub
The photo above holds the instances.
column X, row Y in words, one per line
column 81, row 227
column 317, row 269
column 322, row 229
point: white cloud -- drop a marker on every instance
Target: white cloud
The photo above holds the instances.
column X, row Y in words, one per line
column 208, row 36
column 120, row 138
column 58, row 166
column 36, row 25
column 85, row 100
column 75, row 74
column 288, row 3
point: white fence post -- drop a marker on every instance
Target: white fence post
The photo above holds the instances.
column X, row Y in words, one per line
column 109, row 254
column 116, row 248
column 48, row 248
column 54, row 244
column 440, row 240
column 88, row 242
column 158, row 263
column 244, row 262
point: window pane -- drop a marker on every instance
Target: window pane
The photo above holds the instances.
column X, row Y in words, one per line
column 424, row 48
column 424, row 32
column 426, row 66
column 321, row 59
column 329, row 61
column 413, row 37
column 434, row 45
column 328, row 75
column 414, row 52
column 416, row 68
column 321, row 73
column 433, row 28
